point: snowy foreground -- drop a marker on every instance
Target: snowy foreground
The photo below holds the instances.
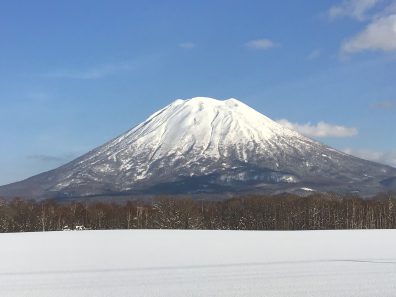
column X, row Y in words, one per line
column 198, row 263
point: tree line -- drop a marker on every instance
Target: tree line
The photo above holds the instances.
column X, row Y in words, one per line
column 281, row 212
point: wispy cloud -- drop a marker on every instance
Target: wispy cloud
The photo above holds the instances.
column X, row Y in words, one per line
column 379, row 35
column 316, row 53
column 94, row 72
column 39, row 96
column 261, row 44
column 321, row 129
column 384, row 157
column 43, row 158
column 187, row 45
column 385, row 104
column 356, row 9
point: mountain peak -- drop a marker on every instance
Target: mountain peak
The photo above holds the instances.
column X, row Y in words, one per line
column 206, row 126
column 208, row 101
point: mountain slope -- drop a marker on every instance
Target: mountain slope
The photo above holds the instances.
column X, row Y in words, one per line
column 212, row 146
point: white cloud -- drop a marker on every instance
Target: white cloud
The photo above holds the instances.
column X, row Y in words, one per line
column 380, row 35
column 355, row 9
column 261, row 44
column 187, row 45
column 321, row 129
column 384, row 157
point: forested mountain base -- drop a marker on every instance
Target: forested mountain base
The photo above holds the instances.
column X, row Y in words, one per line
column 282, row 212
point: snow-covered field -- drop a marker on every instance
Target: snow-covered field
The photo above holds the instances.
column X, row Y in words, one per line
column 198, row 263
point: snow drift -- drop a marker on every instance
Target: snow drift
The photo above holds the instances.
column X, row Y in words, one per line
column 156, row 263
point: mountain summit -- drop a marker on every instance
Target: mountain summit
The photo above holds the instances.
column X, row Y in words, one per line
column 204, row 145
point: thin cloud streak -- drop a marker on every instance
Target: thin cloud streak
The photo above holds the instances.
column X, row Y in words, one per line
column 315, row 54
column 385, row 104
column 43, row 158
column 104, row 70
column 321, row 129
column 384, row 157
column 187, row 45
column 261, row 44
column 91, row 73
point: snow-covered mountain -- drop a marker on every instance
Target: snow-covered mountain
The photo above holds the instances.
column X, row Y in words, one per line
column 204, row 145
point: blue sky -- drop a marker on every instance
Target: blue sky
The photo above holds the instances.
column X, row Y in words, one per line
column 74, row 74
